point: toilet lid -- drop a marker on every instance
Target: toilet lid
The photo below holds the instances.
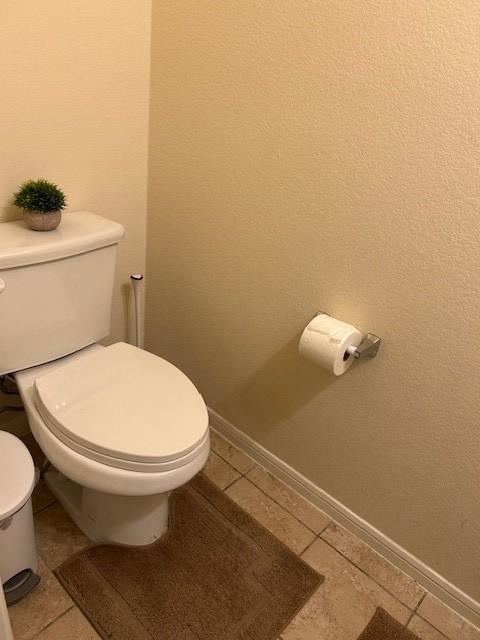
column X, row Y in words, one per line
column 17, row 474
column 125, row 403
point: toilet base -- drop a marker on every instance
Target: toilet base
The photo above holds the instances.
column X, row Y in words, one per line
column 108, row 518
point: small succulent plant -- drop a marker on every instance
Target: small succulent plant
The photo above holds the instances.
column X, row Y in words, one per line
column 40, row 196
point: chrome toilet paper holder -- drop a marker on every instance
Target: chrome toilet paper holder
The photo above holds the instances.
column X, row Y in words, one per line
column 368, row 348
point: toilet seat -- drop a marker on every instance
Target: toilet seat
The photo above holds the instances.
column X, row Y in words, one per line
column 124, row 407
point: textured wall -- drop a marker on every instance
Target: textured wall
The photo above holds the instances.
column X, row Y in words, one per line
column 324, row 155
column 74, row 86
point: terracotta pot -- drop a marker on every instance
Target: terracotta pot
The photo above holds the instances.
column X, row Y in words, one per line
column 42, row 221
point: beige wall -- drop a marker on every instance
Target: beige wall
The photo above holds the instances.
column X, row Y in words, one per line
column 74, row 87
column 324, row 155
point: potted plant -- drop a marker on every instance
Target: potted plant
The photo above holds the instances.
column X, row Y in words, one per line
column 42, row 203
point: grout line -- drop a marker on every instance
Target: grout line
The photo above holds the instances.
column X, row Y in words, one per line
column 234, row 446
column 307, row 548
column 300, row 553
column 410, row 618
column 287, row 510
column 230, row 484
column 53, row 621
column 219, row 455
column 424, row 592
column 320, row 533
column 49, row 568
column 254, row 467
column 245, row 475
column 422, row 598
column 241, row 474
column 366, row 574
column 297, row 553
column 438, row 630
column 281, row 506
column 47, row 506
column 229, row 462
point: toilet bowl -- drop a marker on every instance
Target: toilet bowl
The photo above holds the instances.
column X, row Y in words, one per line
column 122, row 429
column 121, row 426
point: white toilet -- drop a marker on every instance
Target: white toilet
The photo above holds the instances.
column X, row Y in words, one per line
column 121, row 426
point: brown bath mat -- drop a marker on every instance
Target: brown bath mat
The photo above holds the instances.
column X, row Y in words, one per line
column 216, row 575
column 383, row 627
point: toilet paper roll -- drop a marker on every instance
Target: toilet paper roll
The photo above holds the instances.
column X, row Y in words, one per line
column 325, row 341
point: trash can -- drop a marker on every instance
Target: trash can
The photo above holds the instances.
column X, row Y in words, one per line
column 18, row 553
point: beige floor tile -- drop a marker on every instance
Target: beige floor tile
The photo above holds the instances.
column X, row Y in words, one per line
column 340, row 608
column 231, row 454
column 281, row 523
column 220, row 472
column 302, row 509
column 424, row 630
column 376, row 566
column 71, row 626
column 42, row 497
column 45, row 603
column 58, row 537
column 446, row 620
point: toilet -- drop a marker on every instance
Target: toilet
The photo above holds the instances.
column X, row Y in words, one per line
column 121, row 427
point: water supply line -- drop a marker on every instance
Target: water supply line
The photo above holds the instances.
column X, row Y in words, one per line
column 137, row 282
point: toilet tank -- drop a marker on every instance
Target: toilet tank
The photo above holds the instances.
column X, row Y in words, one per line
column 55, row 288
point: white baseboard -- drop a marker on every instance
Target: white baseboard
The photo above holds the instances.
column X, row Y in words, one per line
column 400, row 557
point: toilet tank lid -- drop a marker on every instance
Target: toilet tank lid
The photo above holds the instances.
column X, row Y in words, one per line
column 78, row 232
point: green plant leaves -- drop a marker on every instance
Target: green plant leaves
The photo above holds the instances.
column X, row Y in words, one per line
column 40, row 195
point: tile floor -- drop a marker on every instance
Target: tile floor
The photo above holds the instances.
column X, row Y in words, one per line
column 357, row 579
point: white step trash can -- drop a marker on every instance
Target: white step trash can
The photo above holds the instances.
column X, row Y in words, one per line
column 18, row 552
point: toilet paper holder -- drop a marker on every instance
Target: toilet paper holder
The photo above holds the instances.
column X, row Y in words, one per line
column 368, row 348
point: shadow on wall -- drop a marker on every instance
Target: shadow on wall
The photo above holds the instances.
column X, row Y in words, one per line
column 283, row 384
column 10, row 212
